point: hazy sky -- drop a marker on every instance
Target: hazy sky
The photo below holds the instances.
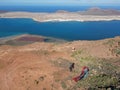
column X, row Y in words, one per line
column 59, row 2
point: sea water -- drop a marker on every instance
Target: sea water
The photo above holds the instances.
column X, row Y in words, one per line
column 71, row 30
column 54, row 8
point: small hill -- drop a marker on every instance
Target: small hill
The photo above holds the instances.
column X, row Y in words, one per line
column 3, row 11
column 99, row 11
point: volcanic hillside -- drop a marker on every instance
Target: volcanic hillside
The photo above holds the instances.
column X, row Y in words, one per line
column 45, row 65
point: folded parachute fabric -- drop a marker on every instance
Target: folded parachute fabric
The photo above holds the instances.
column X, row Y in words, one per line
column 76, row 78
column 83, row 74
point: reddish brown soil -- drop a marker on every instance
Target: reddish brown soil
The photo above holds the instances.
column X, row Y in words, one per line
column 44, row 66
column 31, row 38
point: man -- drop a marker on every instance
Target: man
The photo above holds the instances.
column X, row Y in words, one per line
column 71, row 67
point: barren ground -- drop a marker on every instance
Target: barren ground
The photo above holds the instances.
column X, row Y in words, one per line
column 45, row 66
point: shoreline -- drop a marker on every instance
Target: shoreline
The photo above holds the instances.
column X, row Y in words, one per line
column 28, row 39
column 59, row 16
column 15, row 37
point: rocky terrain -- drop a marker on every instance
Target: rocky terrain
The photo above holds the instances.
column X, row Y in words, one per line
column 45, row 65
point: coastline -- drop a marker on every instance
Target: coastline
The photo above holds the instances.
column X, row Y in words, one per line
column 59, row 16
column 24, row 39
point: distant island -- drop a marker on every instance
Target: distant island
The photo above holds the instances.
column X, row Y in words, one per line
column 92, row 14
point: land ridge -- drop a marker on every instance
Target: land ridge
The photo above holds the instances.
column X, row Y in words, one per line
column 45, row 66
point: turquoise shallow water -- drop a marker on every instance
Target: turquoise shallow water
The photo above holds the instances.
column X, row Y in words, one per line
column 63, row 30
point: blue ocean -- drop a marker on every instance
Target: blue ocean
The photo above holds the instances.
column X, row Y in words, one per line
column 70, row 31
column 62, row 30
column 53, row 8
